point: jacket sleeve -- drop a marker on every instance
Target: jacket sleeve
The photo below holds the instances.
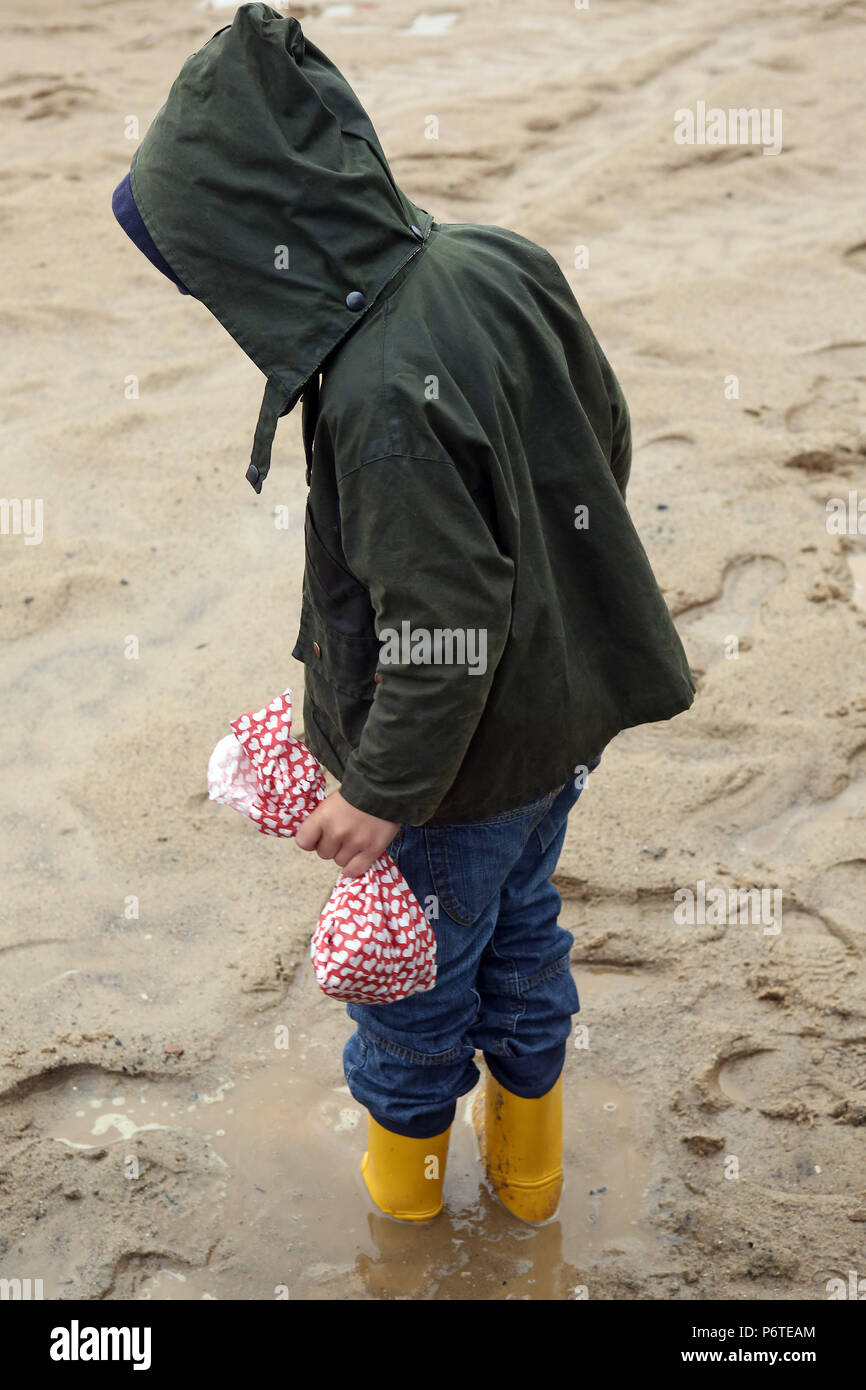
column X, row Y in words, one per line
column 413, row 535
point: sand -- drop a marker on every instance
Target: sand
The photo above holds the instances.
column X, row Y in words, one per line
column 156, row 1142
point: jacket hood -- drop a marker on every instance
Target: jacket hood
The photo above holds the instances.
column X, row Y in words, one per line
column 263, row 185
column 129, row 217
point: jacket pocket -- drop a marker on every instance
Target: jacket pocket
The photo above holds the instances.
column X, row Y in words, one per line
column 346, row 663
column 337, row 637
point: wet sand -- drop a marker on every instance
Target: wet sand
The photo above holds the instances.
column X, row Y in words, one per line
column 156, row 1143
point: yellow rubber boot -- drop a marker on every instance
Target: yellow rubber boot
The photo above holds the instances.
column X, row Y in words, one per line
column 405, row 1176
column 521, row 1147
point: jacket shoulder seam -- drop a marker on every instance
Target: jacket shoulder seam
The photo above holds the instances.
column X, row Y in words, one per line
column 398, row 454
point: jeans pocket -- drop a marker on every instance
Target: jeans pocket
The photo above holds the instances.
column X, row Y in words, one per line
column 469, row 863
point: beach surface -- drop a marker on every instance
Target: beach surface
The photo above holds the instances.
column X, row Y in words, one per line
column 157, row 1140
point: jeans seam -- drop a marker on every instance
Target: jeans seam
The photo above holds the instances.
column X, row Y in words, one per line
column 545, row 974
column 408, row 1054
column 500, row 820
column 514, row 1019
column 442, row 886
column 350, row 1072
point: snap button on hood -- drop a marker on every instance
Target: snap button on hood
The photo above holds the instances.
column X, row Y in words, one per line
column 355, row 301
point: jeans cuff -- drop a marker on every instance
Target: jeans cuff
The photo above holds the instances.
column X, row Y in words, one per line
column 531, row 1076
column 425, row 1127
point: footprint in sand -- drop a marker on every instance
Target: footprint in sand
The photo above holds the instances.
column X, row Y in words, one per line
column 746, row 583
column 797, row 830
column 799, row 1077
column 790, row 1117
column 780, row 1084
column 812, row 967
column 724, row 1059
column 840, row 399
column 840, row 896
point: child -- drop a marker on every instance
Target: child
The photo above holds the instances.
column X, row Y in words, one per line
column 479, row 618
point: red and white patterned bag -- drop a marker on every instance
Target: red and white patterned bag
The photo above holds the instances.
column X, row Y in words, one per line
column 373, row 943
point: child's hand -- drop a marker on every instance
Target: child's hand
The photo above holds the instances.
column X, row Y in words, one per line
column 352, row 838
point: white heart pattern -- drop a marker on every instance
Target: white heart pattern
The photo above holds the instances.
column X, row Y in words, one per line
column 277, row 783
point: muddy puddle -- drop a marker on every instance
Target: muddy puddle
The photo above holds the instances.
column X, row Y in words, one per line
column 294, row 1220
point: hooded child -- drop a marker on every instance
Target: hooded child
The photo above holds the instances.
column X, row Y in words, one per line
column 479, row 618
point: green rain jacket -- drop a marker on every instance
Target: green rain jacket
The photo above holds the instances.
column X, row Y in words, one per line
column 479, row 617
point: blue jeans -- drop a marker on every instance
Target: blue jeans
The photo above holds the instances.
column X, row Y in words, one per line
column 503, row 982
